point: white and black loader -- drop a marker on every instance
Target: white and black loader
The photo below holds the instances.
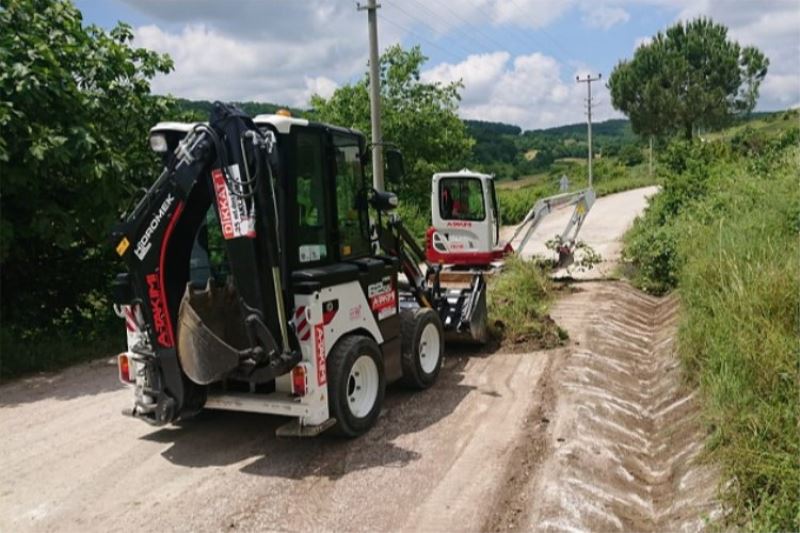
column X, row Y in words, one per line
column 257, row 281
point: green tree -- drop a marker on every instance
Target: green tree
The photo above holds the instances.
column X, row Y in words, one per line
column 75, row 108
column 690, row 76
column 420, row 118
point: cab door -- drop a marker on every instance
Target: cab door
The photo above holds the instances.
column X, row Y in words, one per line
column 464, row 217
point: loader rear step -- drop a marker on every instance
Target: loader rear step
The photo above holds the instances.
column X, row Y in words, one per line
column 295, row 429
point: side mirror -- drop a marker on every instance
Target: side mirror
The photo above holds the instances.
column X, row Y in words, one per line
column 395, row 166
column 383, row 200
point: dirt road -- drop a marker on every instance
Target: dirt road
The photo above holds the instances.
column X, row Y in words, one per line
column 596, row 435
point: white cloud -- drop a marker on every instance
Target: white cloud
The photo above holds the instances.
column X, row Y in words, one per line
column 528, row 90
column 211, row 65
column 479, row 73
column 282, row 51
column 528, row 13
column 605, row 17
column 641, row 41
column 321, row 86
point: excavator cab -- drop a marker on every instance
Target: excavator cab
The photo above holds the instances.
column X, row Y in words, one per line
column 465, row 218
column 465, row 231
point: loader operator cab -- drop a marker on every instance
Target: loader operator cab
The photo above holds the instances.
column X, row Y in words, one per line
column 323, row 201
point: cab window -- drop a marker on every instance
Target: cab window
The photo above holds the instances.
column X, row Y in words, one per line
column 349, row 182
column 310, row 196
column 461, row 199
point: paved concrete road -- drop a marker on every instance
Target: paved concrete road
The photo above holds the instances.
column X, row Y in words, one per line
column 608, row 220
column 442, row 459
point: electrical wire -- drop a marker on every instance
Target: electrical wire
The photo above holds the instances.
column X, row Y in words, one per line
column 431, row 28
column 422, row 37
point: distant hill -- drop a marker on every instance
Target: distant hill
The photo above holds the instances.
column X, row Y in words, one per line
column 483, row 128
column 203, row 107
column 503, row 149
column 615, row 127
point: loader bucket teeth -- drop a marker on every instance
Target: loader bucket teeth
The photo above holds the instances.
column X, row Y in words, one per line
column 211, row 335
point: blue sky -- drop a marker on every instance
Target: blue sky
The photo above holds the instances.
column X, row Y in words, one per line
column 517, row 58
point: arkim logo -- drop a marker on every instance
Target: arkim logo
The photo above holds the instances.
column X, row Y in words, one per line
column 319, row 349
column 159, row 310
column 144, row 244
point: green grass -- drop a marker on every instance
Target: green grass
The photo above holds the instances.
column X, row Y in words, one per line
column 725, row 233
column 519, row 298
column 773, row 124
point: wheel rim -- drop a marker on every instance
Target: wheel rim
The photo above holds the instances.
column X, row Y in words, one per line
column 362, row 386
column 429, row 348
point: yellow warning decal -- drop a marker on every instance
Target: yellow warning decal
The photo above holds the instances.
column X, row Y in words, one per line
column 581, row 209
column 122, row 247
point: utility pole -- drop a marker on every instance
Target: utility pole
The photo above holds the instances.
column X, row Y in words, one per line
column 651, row 157
column 374, row 93
column 588, row 81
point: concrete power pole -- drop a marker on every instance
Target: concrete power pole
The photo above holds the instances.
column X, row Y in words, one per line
column 374, row 93
column 588, row 81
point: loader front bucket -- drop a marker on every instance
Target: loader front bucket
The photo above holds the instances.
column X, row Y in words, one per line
column 211, row 334
column 467, row 316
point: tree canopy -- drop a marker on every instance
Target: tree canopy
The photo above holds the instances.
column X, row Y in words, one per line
column 75, row 108
column 690, row 76
column 420, row 118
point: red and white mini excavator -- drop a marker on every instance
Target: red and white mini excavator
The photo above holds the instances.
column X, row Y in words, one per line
column 465, row 218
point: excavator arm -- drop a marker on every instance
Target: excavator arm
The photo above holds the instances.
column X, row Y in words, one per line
column 195, row 336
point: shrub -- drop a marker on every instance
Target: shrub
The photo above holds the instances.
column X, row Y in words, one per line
column 631, row 155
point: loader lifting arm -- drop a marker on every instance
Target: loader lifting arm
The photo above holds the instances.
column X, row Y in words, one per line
column 228, row 164
column 462, row 309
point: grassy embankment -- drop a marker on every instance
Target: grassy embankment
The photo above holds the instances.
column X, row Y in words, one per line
column 610, row 176
column 724, row 233
column 518, row 302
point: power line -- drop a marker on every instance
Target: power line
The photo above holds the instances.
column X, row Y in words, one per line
column 425, row 24
column 545, row 32
column 530, row 38
column 476, row 29
column 422, row 37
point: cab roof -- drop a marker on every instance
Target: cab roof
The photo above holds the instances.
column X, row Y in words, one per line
column 463, row 173
column 281, row 123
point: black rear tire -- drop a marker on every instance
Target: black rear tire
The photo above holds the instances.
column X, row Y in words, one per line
column 422, row 347
column 356, row 386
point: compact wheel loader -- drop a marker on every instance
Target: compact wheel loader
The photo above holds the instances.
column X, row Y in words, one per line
column 262, row 275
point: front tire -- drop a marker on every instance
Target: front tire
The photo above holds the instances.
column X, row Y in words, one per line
column 356, row 384
column 422, row 347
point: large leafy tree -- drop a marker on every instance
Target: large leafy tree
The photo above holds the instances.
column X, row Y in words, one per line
column 75, row 107
column 690, row 76
column 420, row 118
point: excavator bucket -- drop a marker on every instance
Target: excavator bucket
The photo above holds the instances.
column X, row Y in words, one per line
column 211, row 334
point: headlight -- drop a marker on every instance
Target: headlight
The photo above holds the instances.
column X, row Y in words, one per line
column 158, row 143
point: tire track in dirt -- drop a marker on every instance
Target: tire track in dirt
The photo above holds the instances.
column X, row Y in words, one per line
column 622, row 450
